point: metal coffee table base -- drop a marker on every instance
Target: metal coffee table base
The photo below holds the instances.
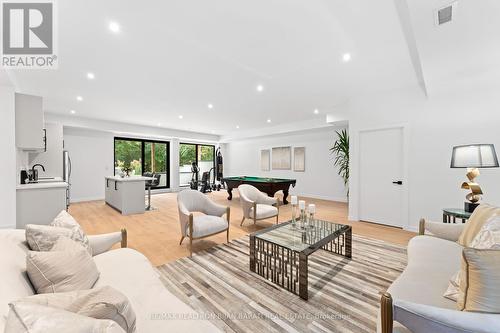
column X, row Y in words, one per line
column 289, row 269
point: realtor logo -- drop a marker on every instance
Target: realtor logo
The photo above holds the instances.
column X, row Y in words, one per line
column 28, row 34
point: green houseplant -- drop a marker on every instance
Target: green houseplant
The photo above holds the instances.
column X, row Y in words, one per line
column 341, row 151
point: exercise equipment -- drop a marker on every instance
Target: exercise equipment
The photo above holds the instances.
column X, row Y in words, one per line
column 195, row 171
column 205, row 182
column 219, row 169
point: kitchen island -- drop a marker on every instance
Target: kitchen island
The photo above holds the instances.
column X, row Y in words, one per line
column 126, row 194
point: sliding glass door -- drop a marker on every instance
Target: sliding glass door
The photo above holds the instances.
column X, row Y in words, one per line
column 143, row 156
column 202, row 155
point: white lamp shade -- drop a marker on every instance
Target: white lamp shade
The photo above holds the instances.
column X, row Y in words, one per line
column 474, row 156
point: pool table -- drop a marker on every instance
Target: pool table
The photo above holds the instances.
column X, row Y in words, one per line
column 266, row 185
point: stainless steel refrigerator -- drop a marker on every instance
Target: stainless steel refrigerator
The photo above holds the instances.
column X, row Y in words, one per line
column 67, row 175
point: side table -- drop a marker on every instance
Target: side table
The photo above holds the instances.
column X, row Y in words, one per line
column 450, row 215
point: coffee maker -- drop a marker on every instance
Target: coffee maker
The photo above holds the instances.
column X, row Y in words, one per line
column 29, row 176
column 26, row 176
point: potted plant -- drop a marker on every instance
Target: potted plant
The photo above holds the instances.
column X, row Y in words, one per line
column 126, row 169
column 341, row 151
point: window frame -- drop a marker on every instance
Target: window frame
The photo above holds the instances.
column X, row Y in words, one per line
column 197, row 150
column 143, row 161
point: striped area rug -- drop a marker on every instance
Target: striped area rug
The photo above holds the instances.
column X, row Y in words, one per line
column 343, row 294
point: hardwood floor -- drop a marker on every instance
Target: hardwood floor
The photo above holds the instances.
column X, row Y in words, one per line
column 156, row 234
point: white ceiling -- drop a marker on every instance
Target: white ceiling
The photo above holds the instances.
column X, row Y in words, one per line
column 173, row 58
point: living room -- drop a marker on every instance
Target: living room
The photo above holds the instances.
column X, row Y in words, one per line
column 274, row 166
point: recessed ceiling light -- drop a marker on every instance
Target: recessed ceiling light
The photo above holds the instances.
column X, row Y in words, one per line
column 180, row 116
column 79, row 98
column 269, row 120
column 90, row 76
column 159, row 124
column 212, row 131
column 72, row 111
column 210, row 106
column 237, row 126
column 346, row 57
column 316, row 111
column 260, row 88
column 114, row 27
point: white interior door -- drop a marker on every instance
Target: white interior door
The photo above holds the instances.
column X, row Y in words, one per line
column 382, row 190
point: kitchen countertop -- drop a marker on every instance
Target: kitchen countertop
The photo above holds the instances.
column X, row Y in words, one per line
column 42, row 185
column 129, row 179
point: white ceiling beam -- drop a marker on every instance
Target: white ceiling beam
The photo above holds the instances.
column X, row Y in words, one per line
column 407, row 28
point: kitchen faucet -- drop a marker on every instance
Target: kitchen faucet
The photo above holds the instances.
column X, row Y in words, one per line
column 34, row 172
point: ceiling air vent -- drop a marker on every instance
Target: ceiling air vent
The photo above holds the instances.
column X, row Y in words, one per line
column 446, row 14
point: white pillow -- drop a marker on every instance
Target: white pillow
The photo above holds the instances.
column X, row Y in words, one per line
column 65, row 220
column 99, row 303
column 34, row 318
column 67, row 267
column 43, row 237
column 488, row 238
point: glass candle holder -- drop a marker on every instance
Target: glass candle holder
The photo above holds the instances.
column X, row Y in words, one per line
column 294, row 210
column 311, row 210
column 303, row 216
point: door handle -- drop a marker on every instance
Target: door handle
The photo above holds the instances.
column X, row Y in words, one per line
column 399, row 182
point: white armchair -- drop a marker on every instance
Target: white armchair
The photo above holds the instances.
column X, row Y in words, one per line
column 257, row 205
column 196, row 227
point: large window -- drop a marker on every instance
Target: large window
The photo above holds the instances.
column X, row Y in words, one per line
column 203, row 155
column 143, row 156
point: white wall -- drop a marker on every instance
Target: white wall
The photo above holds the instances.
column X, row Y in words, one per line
column 320, row 180
column 456, row 115
column 91, row 155
column 9, row 158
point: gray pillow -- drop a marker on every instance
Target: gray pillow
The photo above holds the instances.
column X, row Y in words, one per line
column 100, row 303
column 66, row 267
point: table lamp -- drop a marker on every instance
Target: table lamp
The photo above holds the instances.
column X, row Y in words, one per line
column 473, row 157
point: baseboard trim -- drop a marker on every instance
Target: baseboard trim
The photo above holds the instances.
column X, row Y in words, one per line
column 75, row 200
column 12, row 226
column 323, row 197
column 411, row 228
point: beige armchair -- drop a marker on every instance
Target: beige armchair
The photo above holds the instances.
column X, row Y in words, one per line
column 196, row 227
column 257, row 205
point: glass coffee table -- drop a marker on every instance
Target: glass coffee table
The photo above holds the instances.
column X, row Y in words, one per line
column 280, row 253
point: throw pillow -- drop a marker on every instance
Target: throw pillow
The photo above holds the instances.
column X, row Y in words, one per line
column 65, row 220
column 67, row 267
column 489, row 235
column 43, row 237
column 487, row 238
column 100, row 303
column 480, row 281
column 34, row 318
column 476, row 221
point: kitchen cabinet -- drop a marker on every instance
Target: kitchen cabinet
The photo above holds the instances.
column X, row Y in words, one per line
column 39, row 203
column 30, row 133
column 52, row 158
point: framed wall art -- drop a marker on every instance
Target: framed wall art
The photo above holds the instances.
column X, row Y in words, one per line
column 299, row 159
column 282, row 158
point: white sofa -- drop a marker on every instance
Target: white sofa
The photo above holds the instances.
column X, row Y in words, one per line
column 415, row 303
column 126, row 270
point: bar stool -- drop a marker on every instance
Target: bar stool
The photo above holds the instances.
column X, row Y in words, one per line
column 149, row 185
